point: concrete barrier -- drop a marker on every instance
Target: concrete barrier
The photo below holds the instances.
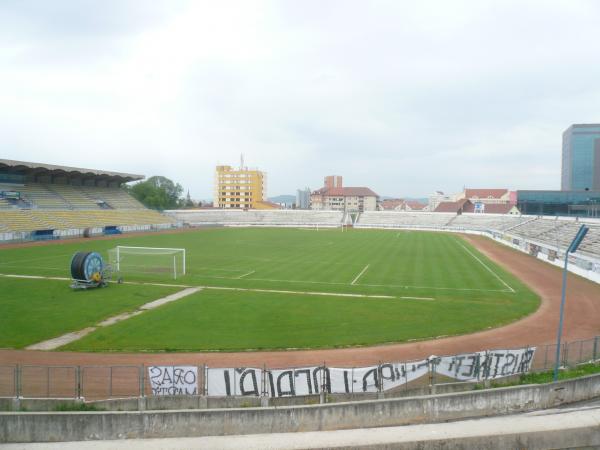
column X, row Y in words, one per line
column 79, row 426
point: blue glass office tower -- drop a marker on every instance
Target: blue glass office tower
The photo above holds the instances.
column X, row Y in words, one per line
column 581, row 158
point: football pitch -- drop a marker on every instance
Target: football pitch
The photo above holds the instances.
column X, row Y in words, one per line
column 265, row 288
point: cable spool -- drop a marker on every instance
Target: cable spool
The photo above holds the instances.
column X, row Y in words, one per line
column 85, row 266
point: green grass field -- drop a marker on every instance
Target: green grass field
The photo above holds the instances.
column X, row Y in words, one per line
column 296, row 289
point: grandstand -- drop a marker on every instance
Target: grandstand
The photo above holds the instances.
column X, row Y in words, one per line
column 398, row 219
column 43, row 201
column 289, row 217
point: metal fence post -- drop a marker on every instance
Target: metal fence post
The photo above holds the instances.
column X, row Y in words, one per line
column 47, row 381
column 78, row 374
column 142, row 381
column 595, row 350
column 17, row 381
column 110, row 382
column 206, row 380
column 565, row 358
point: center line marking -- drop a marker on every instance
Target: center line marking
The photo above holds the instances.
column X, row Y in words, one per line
column 246, row 274
column 360, row 274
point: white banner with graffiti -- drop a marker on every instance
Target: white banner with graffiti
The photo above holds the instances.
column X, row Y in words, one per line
column 488, row 365
column 173, row 380
column 249, row 381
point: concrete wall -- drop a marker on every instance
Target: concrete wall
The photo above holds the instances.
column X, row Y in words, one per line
column 45, row 427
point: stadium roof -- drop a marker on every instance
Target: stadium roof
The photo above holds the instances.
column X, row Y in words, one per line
column 56, row 170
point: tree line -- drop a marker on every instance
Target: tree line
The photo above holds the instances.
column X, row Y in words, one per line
column 160, row 193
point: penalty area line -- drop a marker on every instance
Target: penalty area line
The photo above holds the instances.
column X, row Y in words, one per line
column 246, row 274
column 360, row 275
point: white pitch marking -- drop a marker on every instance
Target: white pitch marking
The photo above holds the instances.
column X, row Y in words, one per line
column 360, row 274
column 438, row 288
column 67, row 338
column 488, row 269
column 38, row 258
column 418, row 298
column 246, row 274
column 225, row 288
column 38, row 277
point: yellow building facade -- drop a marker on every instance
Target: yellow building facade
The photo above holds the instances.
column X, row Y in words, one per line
column 239, row 188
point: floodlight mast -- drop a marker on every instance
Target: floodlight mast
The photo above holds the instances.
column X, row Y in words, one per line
column 571, row 249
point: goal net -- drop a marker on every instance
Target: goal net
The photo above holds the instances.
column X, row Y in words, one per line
column 148, row 260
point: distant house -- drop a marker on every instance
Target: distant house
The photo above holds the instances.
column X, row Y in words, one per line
column 333, row 196
column 486, row 196
column 392, row 204
column 467, row 206
column 457, row 207
column 438, row 197
column 414, row 205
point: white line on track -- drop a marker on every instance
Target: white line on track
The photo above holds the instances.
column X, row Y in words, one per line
column 359, row 275
column 488, row 269
column 246, row 274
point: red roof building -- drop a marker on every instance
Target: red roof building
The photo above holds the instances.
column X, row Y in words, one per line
column 333, row 196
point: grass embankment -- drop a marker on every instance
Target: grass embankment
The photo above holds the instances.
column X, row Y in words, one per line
column 548, row 376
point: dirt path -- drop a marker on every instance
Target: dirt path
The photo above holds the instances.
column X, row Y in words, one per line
column 582, row 320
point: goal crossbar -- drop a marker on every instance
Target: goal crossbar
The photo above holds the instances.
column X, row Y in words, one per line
column 149, row 250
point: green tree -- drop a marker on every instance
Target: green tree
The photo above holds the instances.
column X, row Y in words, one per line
column 157, row 193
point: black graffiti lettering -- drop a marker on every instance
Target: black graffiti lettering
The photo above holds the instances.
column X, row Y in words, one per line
column 365, row 381
column 227, row 382
column 473, row 367
column 272, row 385
column 305, row 372
column 526, row 360
column 346, row 385
column 155, row 373
column 166, row 378
column 509, row 359
column 497, row 357
column 173, row 381
column 486, row 366
column 189, row 377
column 254, row 390
column 177, row 375
column 390, row 375
column 457, row 360
column 323, row 381
column 289, row 374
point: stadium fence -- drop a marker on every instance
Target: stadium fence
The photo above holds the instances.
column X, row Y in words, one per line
column 97, row 382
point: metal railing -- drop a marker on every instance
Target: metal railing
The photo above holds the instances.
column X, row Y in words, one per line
column 95, row 382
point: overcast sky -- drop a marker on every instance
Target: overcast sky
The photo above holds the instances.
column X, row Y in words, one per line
column 405, row 97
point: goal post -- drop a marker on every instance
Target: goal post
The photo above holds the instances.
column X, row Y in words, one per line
column 127, row 259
